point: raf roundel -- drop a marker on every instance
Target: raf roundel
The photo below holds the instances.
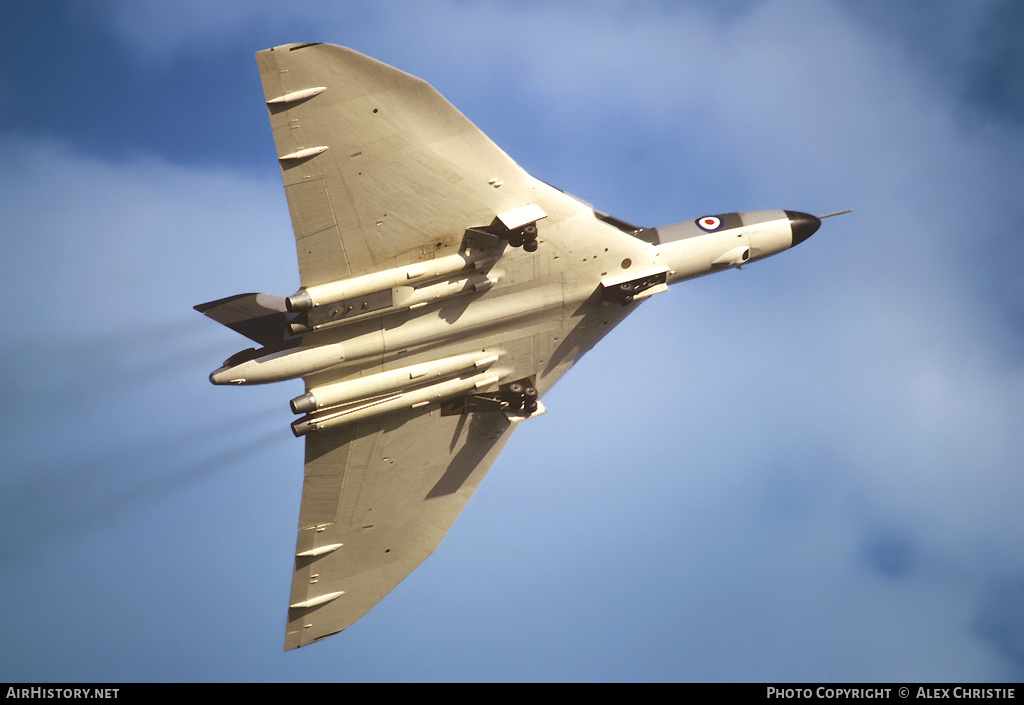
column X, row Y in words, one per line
column 709, row 223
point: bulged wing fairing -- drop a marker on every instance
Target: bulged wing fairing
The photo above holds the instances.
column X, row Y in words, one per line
column 377, row 499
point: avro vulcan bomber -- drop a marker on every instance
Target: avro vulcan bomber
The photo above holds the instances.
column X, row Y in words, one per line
column 443, row 291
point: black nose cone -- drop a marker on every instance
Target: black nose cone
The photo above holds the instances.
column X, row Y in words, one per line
column 803, row 226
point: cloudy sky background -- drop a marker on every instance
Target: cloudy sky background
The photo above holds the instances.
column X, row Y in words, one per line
column 809, row 470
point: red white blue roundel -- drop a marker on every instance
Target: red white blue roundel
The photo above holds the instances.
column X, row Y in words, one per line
column 709, row 223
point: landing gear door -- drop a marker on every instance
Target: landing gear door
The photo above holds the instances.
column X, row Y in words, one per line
column 628, row 288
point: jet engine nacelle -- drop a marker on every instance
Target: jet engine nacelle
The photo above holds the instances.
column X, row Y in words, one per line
column 386, row 382
column 411, row 274
column 367, row 408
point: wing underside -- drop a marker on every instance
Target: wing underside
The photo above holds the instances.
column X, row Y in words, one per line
column 381, row 172
column 379, row 169
column 377, row 498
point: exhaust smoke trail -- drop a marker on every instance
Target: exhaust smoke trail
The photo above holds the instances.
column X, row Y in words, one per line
column 70, row 492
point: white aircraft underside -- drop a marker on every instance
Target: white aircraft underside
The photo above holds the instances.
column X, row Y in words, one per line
column 443, row 291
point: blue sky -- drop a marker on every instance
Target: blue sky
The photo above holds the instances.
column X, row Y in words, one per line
column 809, row 470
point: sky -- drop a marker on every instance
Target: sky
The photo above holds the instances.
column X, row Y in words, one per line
column 808, row 470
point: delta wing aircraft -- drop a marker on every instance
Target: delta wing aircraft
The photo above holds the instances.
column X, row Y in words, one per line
column 443, row 291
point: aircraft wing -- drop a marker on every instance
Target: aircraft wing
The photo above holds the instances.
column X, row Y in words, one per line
column 379, row 169
column 443, row 291
column 381, row 172
column 377, row 499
